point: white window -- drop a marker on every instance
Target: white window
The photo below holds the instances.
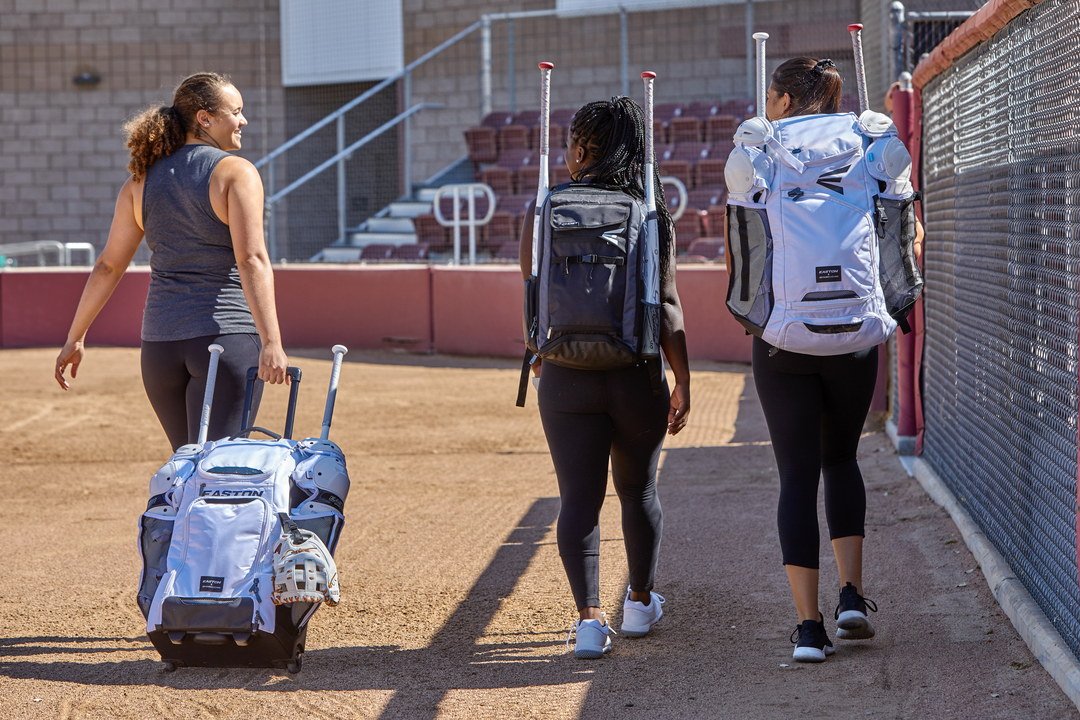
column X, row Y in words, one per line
column 338, row 41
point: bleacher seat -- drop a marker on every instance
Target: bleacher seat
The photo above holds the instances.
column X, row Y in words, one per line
column 688, row 228
column 691, row 152
column 497, row 119
column 720, row 128
column 527, row 178
column 514, row 204
column 513, row 158
column 483, row 145
column 703, row 197
column 678, row 169
column 709, row 172
column 662, row 150
column 659, row 129
column 502, row 228
column 376, row 252
column 741, row 109
column 684, row 129
column 701, row 109
column 721, row 149
column 562, row 116
column 514, row 137
column 499, row 179
column 715, row 219
column 410, row 252
column 430, row 233
column 556, row 137
column 527, row 118
column 710, row 248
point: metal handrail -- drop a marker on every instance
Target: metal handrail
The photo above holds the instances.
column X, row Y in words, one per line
column 356, row 101
column 471, row 221
column 40, row 247
column 668, row 180
column 348, row 151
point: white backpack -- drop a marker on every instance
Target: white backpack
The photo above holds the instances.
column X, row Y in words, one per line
column 821, row 229
column 221, row 504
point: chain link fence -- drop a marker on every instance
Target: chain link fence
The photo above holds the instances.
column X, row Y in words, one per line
column 1002, row 175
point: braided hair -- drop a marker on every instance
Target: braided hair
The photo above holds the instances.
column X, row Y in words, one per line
column 813, row 85
column 613, row 134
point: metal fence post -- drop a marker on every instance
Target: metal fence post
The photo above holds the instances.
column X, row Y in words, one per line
column 511, row 80
column 751, row 86
column 485, row 66
column 625, row 48
column 272, row 223
column 406, row 171
column 341, row 180
column 896, row 39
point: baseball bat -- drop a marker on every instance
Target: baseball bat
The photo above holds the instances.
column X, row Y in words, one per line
column 331, row 394
column 208, row 396
column 860, row 70
column 650, row 328
column 543, row 185
column 762, row 89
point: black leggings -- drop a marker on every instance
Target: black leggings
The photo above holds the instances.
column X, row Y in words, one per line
column 815, row 407
column 174, row 375
column 589, row 416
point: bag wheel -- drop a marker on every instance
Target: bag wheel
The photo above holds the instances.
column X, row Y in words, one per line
column 169, row 667
column 295, row 665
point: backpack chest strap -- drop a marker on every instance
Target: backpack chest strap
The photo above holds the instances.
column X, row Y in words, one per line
column 592, row 260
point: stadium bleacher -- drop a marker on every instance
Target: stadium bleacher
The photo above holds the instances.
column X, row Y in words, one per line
column 693, row 141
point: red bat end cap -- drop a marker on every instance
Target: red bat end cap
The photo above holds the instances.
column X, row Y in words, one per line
column 549, row 66
column 854, row 26
column 648, row 74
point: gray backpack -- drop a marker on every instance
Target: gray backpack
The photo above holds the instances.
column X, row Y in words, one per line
column 585, row 308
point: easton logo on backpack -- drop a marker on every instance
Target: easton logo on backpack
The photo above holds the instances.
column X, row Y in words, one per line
column 585, row 308
column 821, row 225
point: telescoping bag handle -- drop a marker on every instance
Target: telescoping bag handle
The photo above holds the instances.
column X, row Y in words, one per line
column 294, row 390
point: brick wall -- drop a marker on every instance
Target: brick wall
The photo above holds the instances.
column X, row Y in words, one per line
column 697, row 53
column 62, row 157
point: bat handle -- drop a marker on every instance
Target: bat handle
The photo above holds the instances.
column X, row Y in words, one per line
column 762, row 89
column 648, row 76
column 545, row 106
column 208, row 395
column 860, row 69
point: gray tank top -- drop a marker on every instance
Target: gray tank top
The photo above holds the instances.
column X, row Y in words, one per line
column 194, row 284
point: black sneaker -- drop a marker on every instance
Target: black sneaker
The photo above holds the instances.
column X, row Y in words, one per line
column 813, row 644
column 851, row 620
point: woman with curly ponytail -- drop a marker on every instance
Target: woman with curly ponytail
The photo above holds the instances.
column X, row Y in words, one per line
column 591, row 417
column 200, row 210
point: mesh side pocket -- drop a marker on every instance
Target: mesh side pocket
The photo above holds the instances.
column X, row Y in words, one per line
column 750, row 296
column 901, row 278
column 155, row 536
column 327, row 527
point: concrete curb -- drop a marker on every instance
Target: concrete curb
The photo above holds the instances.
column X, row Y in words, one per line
column 1026, row 616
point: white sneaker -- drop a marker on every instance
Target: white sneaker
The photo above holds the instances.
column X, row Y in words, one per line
column 593, row 638
column 638, row 618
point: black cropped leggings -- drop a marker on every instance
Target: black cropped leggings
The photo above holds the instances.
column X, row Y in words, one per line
column 815, row 408
column 590, row 416
column 174, row 375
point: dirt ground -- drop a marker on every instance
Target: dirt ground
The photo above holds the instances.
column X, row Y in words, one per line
column 454, row 603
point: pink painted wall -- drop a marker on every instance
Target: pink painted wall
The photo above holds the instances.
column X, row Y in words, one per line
column 467, row 311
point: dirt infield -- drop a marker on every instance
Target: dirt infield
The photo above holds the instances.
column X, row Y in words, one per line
column 454, row 603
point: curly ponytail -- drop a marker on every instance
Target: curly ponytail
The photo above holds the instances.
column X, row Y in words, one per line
column 613, row 132
column 159, row 132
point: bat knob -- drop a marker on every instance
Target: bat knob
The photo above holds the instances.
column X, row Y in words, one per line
column 550, row 66
column 761, row 36
column 854, row 26
column 648, row 74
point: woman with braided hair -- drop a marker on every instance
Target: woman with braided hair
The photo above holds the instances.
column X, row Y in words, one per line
column 591, row 417
column 200, row 210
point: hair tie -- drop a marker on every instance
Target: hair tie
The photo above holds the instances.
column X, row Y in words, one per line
column 823, row 65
